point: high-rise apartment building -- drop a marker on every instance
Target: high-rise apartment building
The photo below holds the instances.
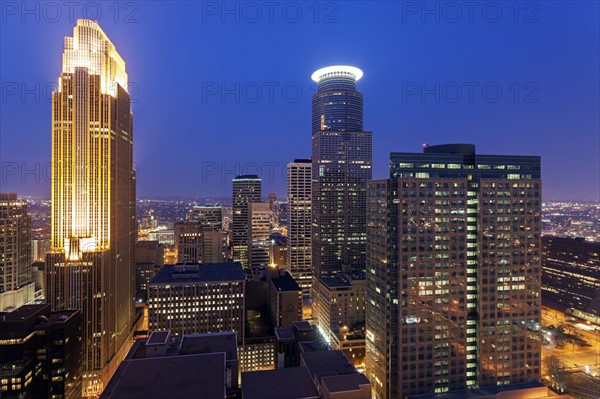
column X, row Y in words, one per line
column 453, row 272
column 299, row 254
column 246, row 189
column 259, row 227
column 341, row 167
column 91, row 265
column 16, row 282
column 197, row 298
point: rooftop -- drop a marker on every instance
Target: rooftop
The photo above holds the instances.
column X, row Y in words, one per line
column 344, row 383
column 285, row 383
column 487, row 392
column 198, row 272
column 285, row 283
column 327, row 363
column 192, row 376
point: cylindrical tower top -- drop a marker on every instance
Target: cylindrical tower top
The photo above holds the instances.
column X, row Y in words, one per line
column 341, row 77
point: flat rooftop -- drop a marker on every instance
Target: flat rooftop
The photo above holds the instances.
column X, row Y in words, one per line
column 198, row 272
column 192, row 376
column 285, row 383
column 324, row 363
column 189, row 344
column 345, row 383
column 285, row 283
column 486, row 392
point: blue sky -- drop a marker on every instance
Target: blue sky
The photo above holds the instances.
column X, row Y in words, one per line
column 224, row 88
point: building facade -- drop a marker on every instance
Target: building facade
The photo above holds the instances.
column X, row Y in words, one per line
column 197, row 298
column 16, row 282
column 453, row 272
column 41, row 353
column 246, row 189
column 569, row 266
column 188, row 242
column 91, row 265
column 299, row 189
column 259, row 227
column 209, row 216
column 341, row 167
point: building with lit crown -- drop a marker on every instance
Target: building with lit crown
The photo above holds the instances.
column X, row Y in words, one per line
column 341, row 167
column 91, row 265
column 453, row 272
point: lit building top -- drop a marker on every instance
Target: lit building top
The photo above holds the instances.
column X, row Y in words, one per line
column 89, row 47
column 337, row 71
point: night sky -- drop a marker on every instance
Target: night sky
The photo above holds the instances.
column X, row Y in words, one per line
column 219, row 91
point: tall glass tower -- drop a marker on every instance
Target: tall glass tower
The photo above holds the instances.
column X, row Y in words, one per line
column 246, row 190
column 91, row 263
column 341, row 167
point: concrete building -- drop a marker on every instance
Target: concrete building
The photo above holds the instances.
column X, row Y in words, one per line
column 286, row 299
column 16, row 284
column 453, row 272
column 41, row 353
column 299, row 254
column 39, row 248
column 150, row 252
column 197, row 298
column 339, row 308
column 188, row 242
column 185, row 366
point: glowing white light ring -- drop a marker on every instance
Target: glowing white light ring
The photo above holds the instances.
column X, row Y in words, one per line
column 340, row 70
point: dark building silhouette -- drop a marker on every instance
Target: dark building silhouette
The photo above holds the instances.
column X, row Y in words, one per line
column 40, row 353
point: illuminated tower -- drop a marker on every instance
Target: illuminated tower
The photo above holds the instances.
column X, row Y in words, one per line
column 91, row 263
column 341, row 167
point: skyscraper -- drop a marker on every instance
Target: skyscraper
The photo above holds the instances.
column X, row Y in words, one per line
column 454, row 275
column 259, row 224
column 209, row 216
column 341, row 167
column 188, row 242
column 16, row 282
column 91, row 263
column 299, row 182
column 246, row 189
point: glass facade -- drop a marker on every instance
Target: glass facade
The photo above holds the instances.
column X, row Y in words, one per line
column 454, row 254
column 341, row 167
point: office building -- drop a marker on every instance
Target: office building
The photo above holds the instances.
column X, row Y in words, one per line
column 150, row 252
column 40, row 353
column 339, row 308
column 91, row 265
column 144, row 272
column 188, row 242
column 214, row 246
column 197, row 298
column 186, row 366
column 274, row 208
column 259, row 241
column 571, row 274
column 16, row 284
column 39, row 248
column 209, row 216
column 453, row 272
column 299, row 189
column 246, row 189
column 286, row 299
column 341, row 167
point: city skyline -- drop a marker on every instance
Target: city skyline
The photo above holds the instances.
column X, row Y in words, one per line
column 559, row 127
